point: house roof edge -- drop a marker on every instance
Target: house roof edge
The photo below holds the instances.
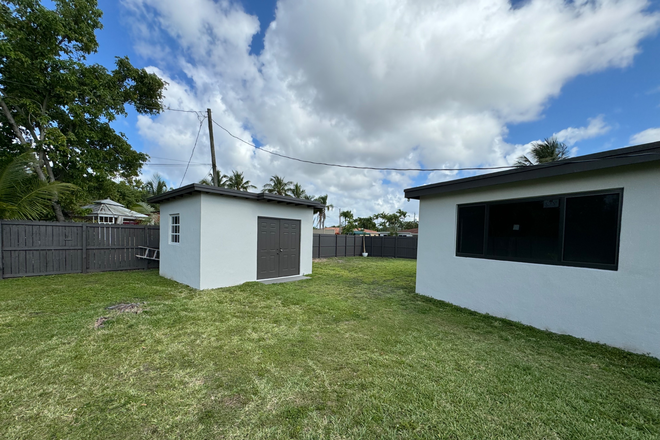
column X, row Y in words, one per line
column 607, row 159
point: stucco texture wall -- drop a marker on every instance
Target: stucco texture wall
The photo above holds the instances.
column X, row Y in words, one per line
column 229, row 238
column 619, row 308
column 218, row 245
column 181, row 261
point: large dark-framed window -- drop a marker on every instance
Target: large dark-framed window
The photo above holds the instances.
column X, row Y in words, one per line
column 574, row 229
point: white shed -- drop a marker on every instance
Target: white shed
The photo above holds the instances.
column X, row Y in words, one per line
column 571, row 246
column 216, row 237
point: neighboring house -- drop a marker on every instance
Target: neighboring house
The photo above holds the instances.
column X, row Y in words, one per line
column 409, row 232
column 367, row 232
column 570, row 246
column 331, row 231
column 109, row 212
column 216, row 237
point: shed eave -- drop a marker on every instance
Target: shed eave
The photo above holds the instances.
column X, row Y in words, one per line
column 207, row 189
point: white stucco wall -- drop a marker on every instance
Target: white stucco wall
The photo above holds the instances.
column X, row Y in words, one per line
column 229, row 238
column 181, row 261
column 619, row 308
column 219, row 239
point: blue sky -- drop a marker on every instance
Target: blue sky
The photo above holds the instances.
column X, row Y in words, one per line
column 352, row 84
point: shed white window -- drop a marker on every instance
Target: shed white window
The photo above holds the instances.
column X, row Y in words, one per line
column 175, row 228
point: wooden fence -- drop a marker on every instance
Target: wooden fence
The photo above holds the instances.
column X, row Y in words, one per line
column 45, row 248
column 327, row 246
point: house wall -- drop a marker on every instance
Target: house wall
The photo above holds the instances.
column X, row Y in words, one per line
column 229, row 238
column 181, row 261
column 619, row 308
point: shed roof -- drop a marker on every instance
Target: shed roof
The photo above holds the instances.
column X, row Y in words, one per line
column 607, row 159
column 194, row 188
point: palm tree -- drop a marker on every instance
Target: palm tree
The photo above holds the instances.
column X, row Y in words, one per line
column 278, row 185
column 237, row 181
column 22, row 195
column 156, row 186
column 549, row 150
column 321, row 212
column 222, row 179
column 298, row 192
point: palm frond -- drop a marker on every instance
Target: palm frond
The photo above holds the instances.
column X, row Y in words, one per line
column 22, row 195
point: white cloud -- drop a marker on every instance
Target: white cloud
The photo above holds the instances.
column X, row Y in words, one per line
column 375, row 83
column 646, row 136
column 571, row 135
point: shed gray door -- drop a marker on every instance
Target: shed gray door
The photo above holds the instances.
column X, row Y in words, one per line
column 278, row 246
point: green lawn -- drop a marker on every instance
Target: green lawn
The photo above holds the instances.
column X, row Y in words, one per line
column 352, row 353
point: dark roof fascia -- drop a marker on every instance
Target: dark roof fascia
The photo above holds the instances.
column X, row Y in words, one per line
column 591, row 162
column 199, row 188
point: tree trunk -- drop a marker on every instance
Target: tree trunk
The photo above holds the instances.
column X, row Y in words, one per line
column 57, row 208
column 42, row 158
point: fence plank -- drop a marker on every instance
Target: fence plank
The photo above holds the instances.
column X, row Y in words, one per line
column 42, row 248
column 329, row 246
column 2, row 254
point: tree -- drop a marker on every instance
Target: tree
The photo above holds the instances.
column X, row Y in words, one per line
column 278, row 185
column 549, row 150
column 59, row 108
column 349, row 226
column 156, row 185
column 366, row 223
column 22, row 195
column 298, row 192
column 321, row 212
column 410, row 225
column 392, row 222
column 222, row 179
column 237, row 181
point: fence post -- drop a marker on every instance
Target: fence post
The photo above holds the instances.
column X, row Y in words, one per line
column 2, row 268
column 396, row 246
column 146, row 243
column 84, row 248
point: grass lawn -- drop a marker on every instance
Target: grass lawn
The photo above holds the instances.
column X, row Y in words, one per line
column 352, row 353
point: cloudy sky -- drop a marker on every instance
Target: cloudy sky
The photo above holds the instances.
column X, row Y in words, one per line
column 387, row 83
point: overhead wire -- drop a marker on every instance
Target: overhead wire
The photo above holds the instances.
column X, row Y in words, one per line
column 358, row 167
column 201, row 122
column 200, row 115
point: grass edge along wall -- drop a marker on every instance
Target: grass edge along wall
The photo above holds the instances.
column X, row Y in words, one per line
column 617, row 307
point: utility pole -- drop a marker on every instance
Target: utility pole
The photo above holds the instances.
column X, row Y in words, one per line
column 215, row 169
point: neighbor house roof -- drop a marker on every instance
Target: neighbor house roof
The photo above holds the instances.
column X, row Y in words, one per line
column 607, row 159
column 196, row 188
column 110, row 208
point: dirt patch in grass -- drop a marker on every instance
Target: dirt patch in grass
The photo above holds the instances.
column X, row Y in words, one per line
column 99, row 322
column 235, row 401
column 119, row 308
column 127, row 308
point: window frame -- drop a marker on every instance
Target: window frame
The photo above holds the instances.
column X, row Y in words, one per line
column 562, row 226
column 175, row 234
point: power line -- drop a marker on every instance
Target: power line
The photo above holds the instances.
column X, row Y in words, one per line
column 167, row 158
column 358, row 167
column 176, row 164
column 201, row 122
